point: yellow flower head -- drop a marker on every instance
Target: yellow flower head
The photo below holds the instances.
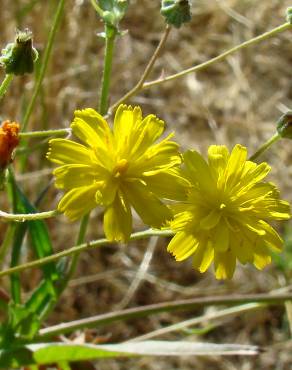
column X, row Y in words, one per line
column 225, row 216
column 117, row 168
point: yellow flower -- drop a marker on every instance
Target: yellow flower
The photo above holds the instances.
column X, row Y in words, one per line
column 118, row 168
column 225, row 216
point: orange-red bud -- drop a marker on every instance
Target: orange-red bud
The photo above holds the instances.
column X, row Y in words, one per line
column 9, row 140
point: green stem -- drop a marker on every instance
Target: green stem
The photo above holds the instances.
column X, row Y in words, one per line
column 222, row 56
column 137, row 312
column 5, row 84
column 48, row 133
column 108, row 58
column 21, row 217
column 265, row 146
column 45, row 62
column 97, row 8
column 81, row 248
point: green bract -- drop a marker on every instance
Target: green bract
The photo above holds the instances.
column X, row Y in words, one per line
column 18, row 57
column 284, row 125
column 289, row 15
column 176, row 12
column 111, row 11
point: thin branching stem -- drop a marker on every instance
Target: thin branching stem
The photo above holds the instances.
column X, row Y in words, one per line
column 22, row 217
column 146, row 85
column 139, row 86
column 222, row 56
column 81, row 248
column 47, row 133
column 187, row 304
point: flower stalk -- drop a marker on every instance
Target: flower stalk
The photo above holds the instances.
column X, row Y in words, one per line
column 265, row 146
column 110, row 35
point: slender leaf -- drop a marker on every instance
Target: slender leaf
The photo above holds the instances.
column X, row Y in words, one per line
column 40, row 240
column 47, row 353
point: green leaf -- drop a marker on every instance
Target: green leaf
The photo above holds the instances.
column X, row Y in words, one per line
column 47, row 353
column 15, row 358
column 40, row 239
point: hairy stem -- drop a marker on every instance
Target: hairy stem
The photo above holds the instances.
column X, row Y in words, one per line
column 21, row 217
column 265, row 146
column 81, row 248
column 5, row 84
column 107, row 68
column 187, row 304
column 48, row 133
column 222, row 56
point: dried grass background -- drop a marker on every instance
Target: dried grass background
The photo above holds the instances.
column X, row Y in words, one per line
column 236, row 101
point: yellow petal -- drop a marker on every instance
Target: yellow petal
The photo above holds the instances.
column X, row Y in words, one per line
column 78, row 202
column 252, row 177
column 220, row 239
column 242, row 247
column 272, row 238
column 168, row 184
column 203, row 257
column 91, row 128
column 224, row 264
column 125, row 125
column 72, row 176
column 151, row 210
column 157, row 158
column 199, row 172
column 261, row 256
column 109, row 190
column 62, row 151
column 118, row 220
column 151, row 128
column 217, row 157
column 211, row 220
column 235, row 166
column 182, row 245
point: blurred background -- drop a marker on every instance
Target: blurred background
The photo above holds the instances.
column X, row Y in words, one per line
column 235, row 101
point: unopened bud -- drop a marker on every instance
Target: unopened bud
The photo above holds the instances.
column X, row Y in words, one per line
column 289, row 15
column 284, row 125
column 9, row 140
column 112, row 11
column 18, row 57
column 176, row 12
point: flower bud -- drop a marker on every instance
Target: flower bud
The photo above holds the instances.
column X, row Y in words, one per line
column 9, row 140
column 112, row 11
column 284, row 125
column 289, row 15
column 176, row 12
column 18, row 57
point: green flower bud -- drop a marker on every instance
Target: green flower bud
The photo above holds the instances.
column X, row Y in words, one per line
column 176, row 12
column 289, row 15
column 284, row 125
column 18, row 58
column 111, row 11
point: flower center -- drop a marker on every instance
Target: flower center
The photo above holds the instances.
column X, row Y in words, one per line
column 121, row 168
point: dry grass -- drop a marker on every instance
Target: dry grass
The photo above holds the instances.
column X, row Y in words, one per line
column 237, row 101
